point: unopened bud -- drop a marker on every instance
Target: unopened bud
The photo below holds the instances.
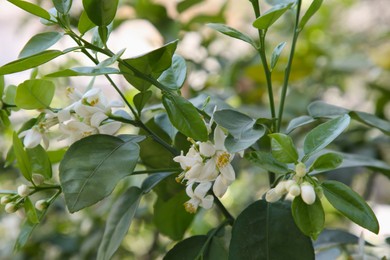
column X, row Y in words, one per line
column 300, row 169
column 5, row 199
column 11, row 208
column 41, row 205
column 307, row 193
column 319, row 191
column 294, row 190
column 281, row 188
column 23, row 190
column 272, row 196
column 38, row 179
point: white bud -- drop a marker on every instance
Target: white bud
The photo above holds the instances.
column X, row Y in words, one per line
column 281, row 188
column 5, row 199
column 23, row 190
column 294, row 190
column 300, row 169
column 38, row 179
column 41, row 205
column 11, row 208
column 272, row 196
column 307, row 193
column 207, row 149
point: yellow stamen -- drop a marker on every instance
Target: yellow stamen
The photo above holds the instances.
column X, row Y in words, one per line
column 189, row 207
column 223, row 159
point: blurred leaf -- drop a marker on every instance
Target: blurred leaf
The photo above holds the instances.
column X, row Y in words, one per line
column 39, row 43
column 141, row 99
column 371, row 120
column 163, row 121
column 350, row 204
column 283, row 148
column 326, row 162
column 31, row 8
column 10, row 94
column 118, row 222
column 222, row 28
column 29, row 62
column 101, row 12
column 298, row 122
column 86, row 174
column 40, row 162
column 152, row 180
column 62, row 6
column 186, row 4
column 173, row 78
column 258, row 234
column 268, row 162
column 271, row 16
column 276, row 54
column 310, row 219
column 321, row 109
column 31, row 213
column 35, row 94
column 313, row 8
column 84, row 71
column 111, row 60
column 85, row 24
column 55, row 156
column 21, row 156
column 2, row 86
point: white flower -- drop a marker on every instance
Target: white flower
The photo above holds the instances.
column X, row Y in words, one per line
column 34, row 136
column 207, row 149
column 189, row 160
column 307, row 193
column 23, row 190
column 198, row 197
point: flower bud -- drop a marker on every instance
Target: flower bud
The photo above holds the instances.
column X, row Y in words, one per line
column 281, row 188
column 300, row 169
column 38, row 179
column 41, row 205
column 23, row 190
column 272, row 196
column 319, row 191
column 294, row 190
column 11, row 208
column 5, row 199
column 307, row 193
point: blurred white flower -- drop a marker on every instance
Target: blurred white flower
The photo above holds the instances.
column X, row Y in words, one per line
column 198, row 197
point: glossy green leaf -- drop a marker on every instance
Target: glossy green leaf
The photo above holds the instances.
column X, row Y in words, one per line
column 328, row 161
column 30, row 62
column 173, row 78
column 350, row 204
column 184, row 116
column 271, row 16
column 222, row 28
column 186, row 4
column 55, row 156
column 335, row 236
column 85, row 24
column 35, row 94
column 10, row 94
column 263, row 229
column 101, row 12
column 31, row 8
column 40, row 42
column 111, row 60
column 321, row 109
column 322, row 135
column 30, row 211
column 268, row 162
column 276, row 54
column 86, row 174
column 170, row 217
column 313, row 8
column 163, row 121
column 371, row 120
column 21, row 156
column 118, row 222
column 283, row 148
column 62, row 6
column 154, row 179
column 40, row 162
column 141, row 99
column 84, row 71
column 151, row 64
column 298, row 122
column 310, row 219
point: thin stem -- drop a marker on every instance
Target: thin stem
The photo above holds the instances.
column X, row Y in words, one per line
column 157, row 170
column 224, row 211
column 289, row 64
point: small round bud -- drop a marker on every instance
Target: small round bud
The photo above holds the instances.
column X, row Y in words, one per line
column 281, row 188
column 37, row 179
column 11, row 208
column 294, row 190
column 300, row 169
column 307, row 193
column 272, row 196
column 41, row 205
column 5, row 199
column 319, row 191
column 23, row 190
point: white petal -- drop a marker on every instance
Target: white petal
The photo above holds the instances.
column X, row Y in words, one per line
column 92, row 93
column 63, row 115
column 219, row 187
column 202, row 189
column 207, row 202
column 210, row 171
column 194, row 172
column 32, row 139
column 116, row 103
column 110, row 128
column 228, row 172
column 219, row 138
column 189, row 191
column 206, row 149
column 98, row 118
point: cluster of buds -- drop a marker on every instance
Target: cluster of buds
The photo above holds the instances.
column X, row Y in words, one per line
column 299, row 185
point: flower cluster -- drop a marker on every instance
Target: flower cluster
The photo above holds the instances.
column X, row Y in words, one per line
column 87, row 115
column 298, row 185
column 206, row 166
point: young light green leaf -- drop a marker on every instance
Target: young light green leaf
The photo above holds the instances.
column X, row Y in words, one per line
column 276, row 54
column 324, row 134
column 268, row 162
column 271, row 16
column 39, row 43
column 21, row 157
column 283, row 148
column 86, row 174
column 313, row 8
column 31, row 8
column 118, row 222
column 150, row 182
column 40, row 162
column 101, row 12
column 85, row 24
column 34, row 94
column 186, row 4
column 222, row 28
column 62, row 6
column 310, row 219
column 83, row 71
column 141, row 99
column 350, row 204
column 174, row 76
column 30, row 62
column 326, row 162
column 184, row 116
column 31, row 213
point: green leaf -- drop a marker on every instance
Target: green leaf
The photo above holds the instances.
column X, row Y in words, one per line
column 85, row 24
column 31, row 213
column 40, row 162
column 30, row 62
column 34, row 94
column 268, row 162
column 271, row 16
column 298, row 122
column 186, row 4
column 283, row 148
column 62, row 6
column 151, row 65
column 31, row 8
column 310, row 219
column 101, row 12
column 118, row 222
column 185, row 117
column 313, row 8
column 350, row 204
column 326, row 162
column 141, row 99
column 263, row 229
column 173, row 78
column 150, row 182
column 111, row 60
column 10, row 94
column 371, row 120
column 243, row 129
column 84, row 71
column 321, row 109
column 24, row 164
column 2, row 86
column 39, row 43
column 170, row 217
column 222, row 28
column 276, row 54
column 86, row 172
column 162, row 120
column 324, row 134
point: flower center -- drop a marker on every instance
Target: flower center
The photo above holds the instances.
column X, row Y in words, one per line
column 189, row 207
column 223, row 159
